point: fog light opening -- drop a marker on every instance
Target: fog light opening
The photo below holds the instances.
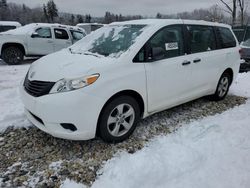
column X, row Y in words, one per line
column 69, row 126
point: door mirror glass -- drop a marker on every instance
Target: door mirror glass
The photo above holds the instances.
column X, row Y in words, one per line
column 158, row 53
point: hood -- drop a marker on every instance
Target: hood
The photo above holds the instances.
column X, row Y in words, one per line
column 64, row 64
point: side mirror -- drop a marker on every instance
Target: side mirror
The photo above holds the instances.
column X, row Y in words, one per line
column 34, row 35
column 158, row 53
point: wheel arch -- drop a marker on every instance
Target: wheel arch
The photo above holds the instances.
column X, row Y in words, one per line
column 130, row 93
column 13, row 44
column 231, row 73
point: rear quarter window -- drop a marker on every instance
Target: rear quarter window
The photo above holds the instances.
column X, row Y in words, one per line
column 61, row 34
column 6, row 28
column 226, row 38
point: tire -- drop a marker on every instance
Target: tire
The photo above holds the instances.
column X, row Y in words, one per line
column 118, row 119
column 12, row 55
column 222, row 87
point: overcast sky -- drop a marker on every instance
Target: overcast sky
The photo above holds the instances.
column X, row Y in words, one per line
column 125, row 7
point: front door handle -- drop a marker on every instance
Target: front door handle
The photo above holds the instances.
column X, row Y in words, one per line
column 185, row 63
column 197, row 60
column 50, row 41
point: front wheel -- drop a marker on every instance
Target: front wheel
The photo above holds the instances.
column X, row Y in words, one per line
column 12, row 55
column 118, row 119
column 222, row 87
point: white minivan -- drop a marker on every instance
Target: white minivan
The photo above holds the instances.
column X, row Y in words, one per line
column 105, row 83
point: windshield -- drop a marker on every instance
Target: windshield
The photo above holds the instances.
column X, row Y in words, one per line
column 112, row 40
column 246, row 43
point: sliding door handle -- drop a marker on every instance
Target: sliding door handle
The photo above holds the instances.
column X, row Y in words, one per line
column 197, row 60
column 185, row 63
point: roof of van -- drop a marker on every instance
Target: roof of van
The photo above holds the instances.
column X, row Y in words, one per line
column 164, row 22
column 82, row 24
column 10, row 23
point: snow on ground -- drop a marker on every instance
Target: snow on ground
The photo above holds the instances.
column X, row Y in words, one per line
column 71, row 184
column 241, row 86
column 213, row 152
column 11, row 108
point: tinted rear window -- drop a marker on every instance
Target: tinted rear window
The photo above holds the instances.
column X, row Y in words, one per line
column 201, row 38
column 226, row 37
column 6, row 28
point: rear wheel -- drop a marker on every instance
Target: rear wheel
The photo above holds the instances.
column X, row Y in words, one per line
column 118, row 119
column 222, row 87
column 12, row 55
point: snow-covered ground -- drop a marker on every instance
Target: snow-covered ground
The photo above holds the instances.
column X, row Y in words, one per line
column 212, row 152
column 11, row 108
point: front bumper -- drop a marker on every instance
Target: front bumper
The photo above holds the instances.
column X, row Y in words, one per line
column 50, row 111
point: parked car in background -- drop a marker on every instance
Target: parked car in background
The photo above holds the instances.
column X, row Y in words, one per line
column 108, row 81
column 245, row 55
column 8, row 25
column 37, row 39
column 243, row 35
column 245, row 50
column 89, row 27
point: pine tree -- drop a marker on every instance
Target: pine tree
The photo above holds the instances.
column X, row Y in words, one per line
column 3, row 4
column 88, row 18
column 45, row 12
column 3, row 10
column 72, row 19
column 79, row 19
column 52, row 10
column 159, row 16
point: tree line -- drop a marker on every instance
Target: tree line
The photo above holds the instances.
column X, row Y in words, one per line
column 232, row 12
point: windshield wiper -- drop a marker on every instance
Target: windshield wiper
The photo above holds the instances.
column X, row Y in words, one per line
column 90, row 53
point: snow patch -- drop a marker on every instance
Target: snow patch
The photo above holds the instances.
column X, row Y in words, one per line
column 71, row 184
column 212, row 152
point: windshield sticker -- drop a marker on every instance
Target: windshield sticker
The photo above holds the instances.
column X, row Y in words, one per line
column 171, row 46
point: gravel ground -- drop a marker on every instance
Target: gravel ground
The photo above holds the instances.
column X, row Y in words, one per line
column 31, row 158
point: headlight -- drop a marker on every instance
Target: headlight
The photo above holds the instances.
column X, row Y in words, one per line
column 65, row 85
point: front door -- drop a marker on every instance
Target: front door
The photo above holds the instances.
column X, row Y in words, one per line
column 206, row 60
column 41, row 42
column 168, row 69
column 62, row 39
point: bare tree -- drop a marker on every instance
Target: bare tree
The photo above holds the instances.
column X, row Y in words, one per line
column 243, row 7
column 216, row 14
column 232, row 10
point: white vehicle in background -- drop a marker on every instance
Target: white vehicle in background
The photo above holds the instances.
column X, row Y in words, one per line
column 108, row 81
column 8, row 25
column 89, row 27
column 37, row 39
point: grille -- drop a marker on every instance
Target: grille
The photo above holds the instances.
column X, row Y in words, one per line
column 37, row 88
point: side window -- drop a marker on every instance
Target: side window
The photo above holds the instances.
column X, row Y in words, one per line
column 43, row 32
column 226, row 38
column 61, row 34
column 95, row 27
column 168, row 42
column 201, row 38
column 77, row 35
